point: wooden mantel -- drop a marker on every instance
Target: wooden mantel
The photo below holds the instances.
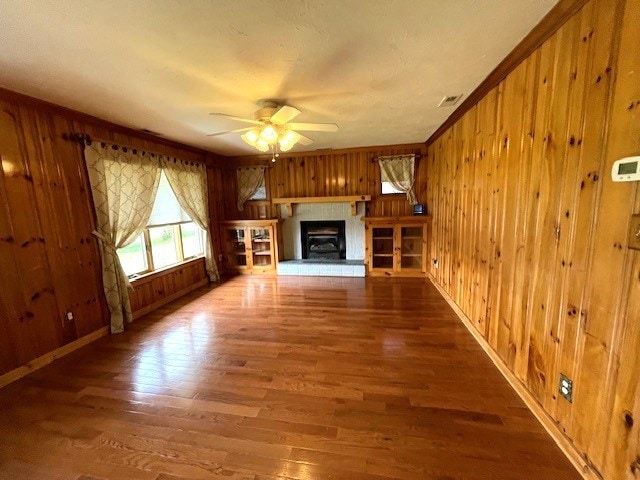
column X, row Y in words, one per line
column 352, row 199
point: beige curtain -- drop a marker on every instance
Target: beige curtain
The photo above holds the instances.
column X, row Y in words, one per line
column 124, row 187
column 399, row 170
column 189, row 182
column 250, row 179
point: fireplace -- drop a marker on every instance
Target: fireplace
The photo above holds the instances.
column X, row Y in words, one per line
column 323, row 240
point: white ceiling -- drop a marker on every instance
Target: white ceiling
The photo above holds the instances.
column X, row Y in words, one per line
column 376, row 68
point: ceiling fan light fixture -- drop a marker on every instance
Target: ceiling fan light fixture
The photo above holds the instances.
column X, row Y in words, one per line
column 269, row 134
column 251, row 137
column 261, row 145
column 288, row 140
column 271, row 129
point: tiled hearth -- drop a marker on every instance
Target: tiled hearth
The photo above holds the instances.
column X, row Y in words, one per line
column 335, row 268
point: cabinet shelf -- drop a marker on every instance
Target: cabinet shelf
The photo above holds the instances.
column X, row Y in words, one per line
column 406, row 239
column 252, row 246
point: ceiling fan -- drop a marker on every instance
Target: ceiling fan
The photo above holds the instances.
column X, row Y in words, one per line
column 271, row 129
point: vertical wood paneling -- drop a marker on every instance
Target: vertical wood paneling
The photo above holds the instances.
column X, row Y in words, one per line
column 156, row 287
column 353, row 171
column 49, row 260
column 624, row 138
column 26, row 275
column 540, row 248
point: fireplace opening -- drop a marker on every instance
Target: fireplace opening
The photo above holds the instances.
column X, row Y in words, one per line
column 323, row 240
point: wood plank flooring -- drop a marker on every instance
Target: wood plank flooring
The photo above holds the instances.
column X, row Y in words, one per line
column 267, row 378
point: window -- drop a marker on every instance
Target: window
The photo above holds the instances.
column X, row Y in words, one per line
column 164, row 248
column 397, row 175
column 388, row 188
column 191, row 240
column 261, row 193
column 134, row 257
column 171, row 236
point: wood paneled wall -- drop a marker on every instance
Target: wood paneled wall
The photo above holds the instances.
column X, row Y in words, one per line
column 156, row 289
column 352, row 171
column 49, row 260
column 531, row 233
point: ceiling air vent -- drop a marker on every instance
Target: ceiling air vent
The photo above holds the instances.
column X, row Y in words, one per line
column 450, row 101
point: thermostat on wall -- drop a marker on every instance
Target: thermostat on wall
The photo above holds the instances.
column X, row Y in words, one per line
column 626, row 170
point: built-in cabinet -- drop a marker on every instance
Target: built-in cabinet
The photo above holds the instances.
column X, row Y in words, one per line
column 396, row 245
column 251, row 246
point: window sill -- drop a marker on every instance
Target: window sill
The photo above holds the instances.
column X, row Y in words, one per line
column 147, row 277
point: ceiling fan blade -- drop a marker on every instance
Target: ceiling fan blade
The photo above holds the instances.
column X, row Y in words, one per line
column 229, row 131
column 284, row 114
column 304, row 140
column 239, row 119
column 314, row 127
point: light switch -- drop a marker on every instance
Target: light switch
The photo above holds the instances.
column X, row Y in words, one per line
column 634, row 233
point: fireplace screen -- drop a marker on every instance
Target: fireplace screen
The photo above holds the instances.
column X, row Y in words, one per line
column 323, row 240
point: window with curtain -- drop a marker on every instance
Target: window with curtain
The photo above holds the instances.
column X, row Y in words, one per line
column 261, row 192
column 251, row 180
column 397, row 176
column 171, row 236
column 388, row 188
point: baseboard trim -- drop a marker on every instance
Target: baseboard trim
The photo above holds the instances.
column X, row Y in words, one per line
column 565, row 444
column 152, row 306
column 47, row 358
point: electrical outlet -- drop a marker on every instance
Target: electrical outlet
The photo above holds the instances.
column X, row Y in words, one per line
column 69, row 316
column 435, row 263
column 566, row 387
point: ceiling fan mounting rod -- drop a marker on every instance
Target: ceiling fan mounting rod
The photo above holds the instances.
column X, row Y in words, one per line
column 266, row 110
column 267, row 103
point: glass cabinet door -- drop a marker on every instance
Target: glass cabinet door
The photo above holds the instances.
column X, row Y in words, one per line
column 261, row 247
column 382, row 247
column 411, row 247
column 235, row 247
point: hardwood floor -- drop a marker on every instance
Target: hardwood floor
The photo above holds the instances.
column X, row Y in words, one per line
column 288, row 378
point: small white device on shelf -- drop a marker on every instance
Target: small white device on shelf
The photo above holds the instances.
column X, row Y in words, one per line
column 626, row 170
